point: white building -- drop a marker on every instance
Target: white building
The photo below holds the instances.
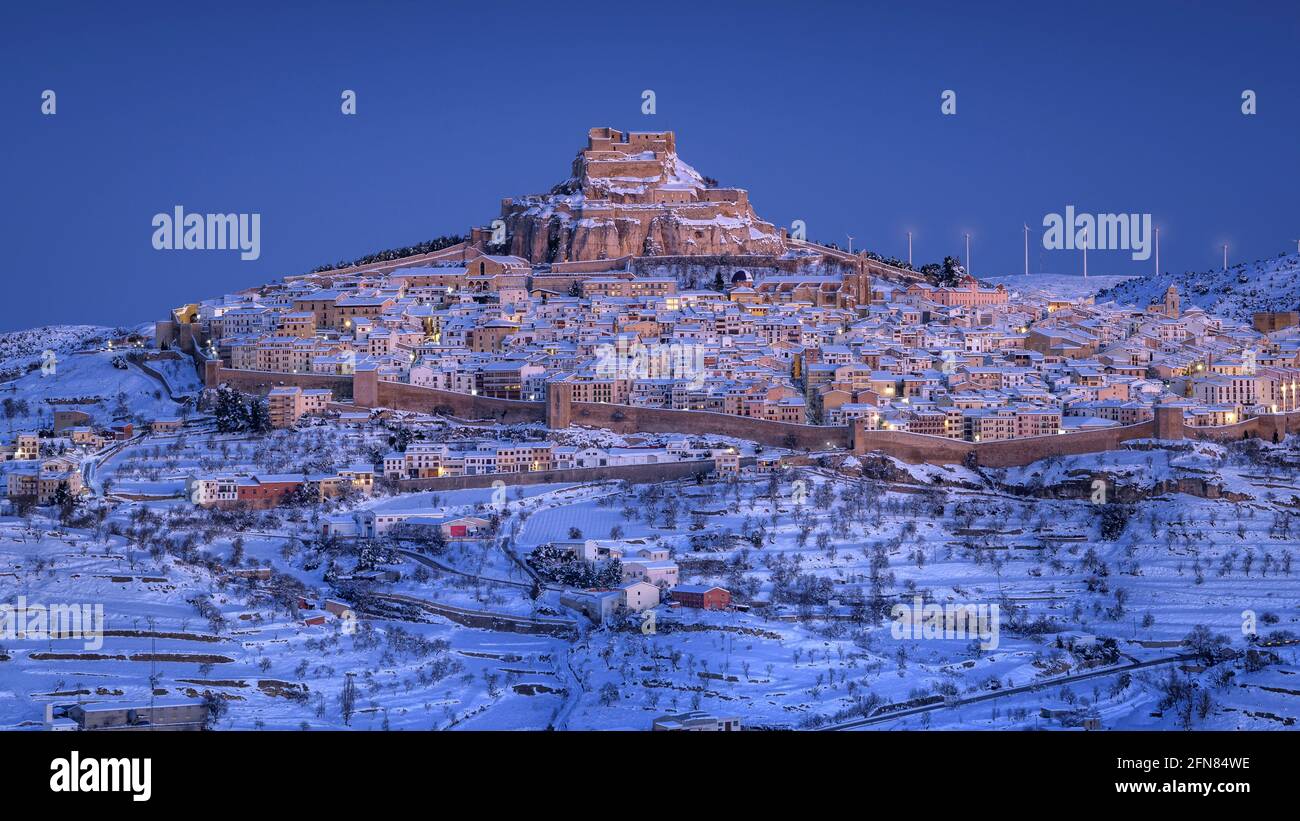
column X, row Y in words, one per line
column 637, row 596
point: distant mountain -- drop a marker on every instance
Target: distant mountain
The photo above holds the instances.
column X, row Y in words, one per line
column 1264, row 285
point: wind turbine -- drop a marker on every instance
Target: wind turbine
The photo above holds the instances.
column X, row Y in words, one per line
column 1085, row 252
column 1026, row 249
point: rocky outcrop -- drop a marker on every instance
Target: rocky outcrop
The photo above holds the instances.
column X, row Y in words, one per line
column 630, row 194
column 1128, row 492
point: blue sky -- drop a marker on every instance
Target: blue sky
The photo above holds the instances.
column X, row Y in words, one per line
column 826, row 112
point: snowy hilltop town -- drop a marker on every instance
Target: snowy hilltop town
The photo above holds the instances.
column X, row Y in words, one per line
column 627, row 456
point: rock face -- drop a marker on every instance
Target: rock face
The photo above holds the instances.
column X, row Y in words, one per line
column 630, row 194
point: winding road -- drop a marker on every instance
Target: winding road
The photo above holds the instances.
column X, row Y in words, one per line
column 1010, row 691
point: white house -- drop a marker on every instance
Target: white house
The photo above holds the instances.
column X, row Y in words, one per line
column 661, row 573
column 638, row 595
column 208, row 491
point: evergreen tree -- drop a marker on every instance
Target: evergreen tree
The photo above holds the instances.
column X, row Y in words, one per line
column 951, row 273
column 401, row 440
column 258, row 416
column 610, row 574
column 62, row 496
column 231, row 414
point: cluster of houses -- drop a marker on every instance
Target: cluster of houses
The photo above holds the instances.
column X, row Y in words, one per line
column 649, row 574
column 368, row 523
column 73, row 426
column 991, row 368
column 78, row 427
column 423, row 460
column 36, row 479
column 497, row 326
column 966, row 361
column 268, row 490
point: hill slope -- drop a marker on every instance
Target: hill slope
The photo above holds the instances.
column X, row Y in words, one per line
column 1264, row 285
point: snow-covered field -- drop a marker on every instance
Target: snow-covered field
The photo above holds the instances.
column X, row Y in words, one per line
column 1068, row 286
column 814, row 552
column 1095, row 600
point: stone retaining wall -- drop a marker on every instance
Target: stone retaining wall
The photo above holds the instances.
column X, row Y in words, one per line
column 637, row 474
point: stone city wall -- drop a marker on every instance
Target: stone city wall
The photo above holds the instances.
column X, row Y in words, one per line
column 369, row 391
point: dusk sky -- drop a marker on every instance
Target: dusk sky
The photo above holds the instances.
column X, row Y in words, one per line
column 235, row 107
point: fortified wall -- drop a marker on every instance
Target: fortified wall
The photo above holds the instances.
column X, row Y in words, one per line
column 920, row 448
column 1168, row 424
column 561, row 412
column 1273, row 428
column 628, row 419
column 215, row 373
column 558, row 412
column 402, row 396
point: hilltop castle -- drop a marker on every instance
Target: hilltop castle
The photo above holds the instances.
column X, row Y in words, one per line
column 631, row 195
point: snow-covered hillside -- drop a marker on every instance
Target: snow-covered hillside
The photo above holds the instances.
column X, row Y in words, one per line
column 1264, row 285
column 1069, row 286
column 19, row 348
column 84, row 373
